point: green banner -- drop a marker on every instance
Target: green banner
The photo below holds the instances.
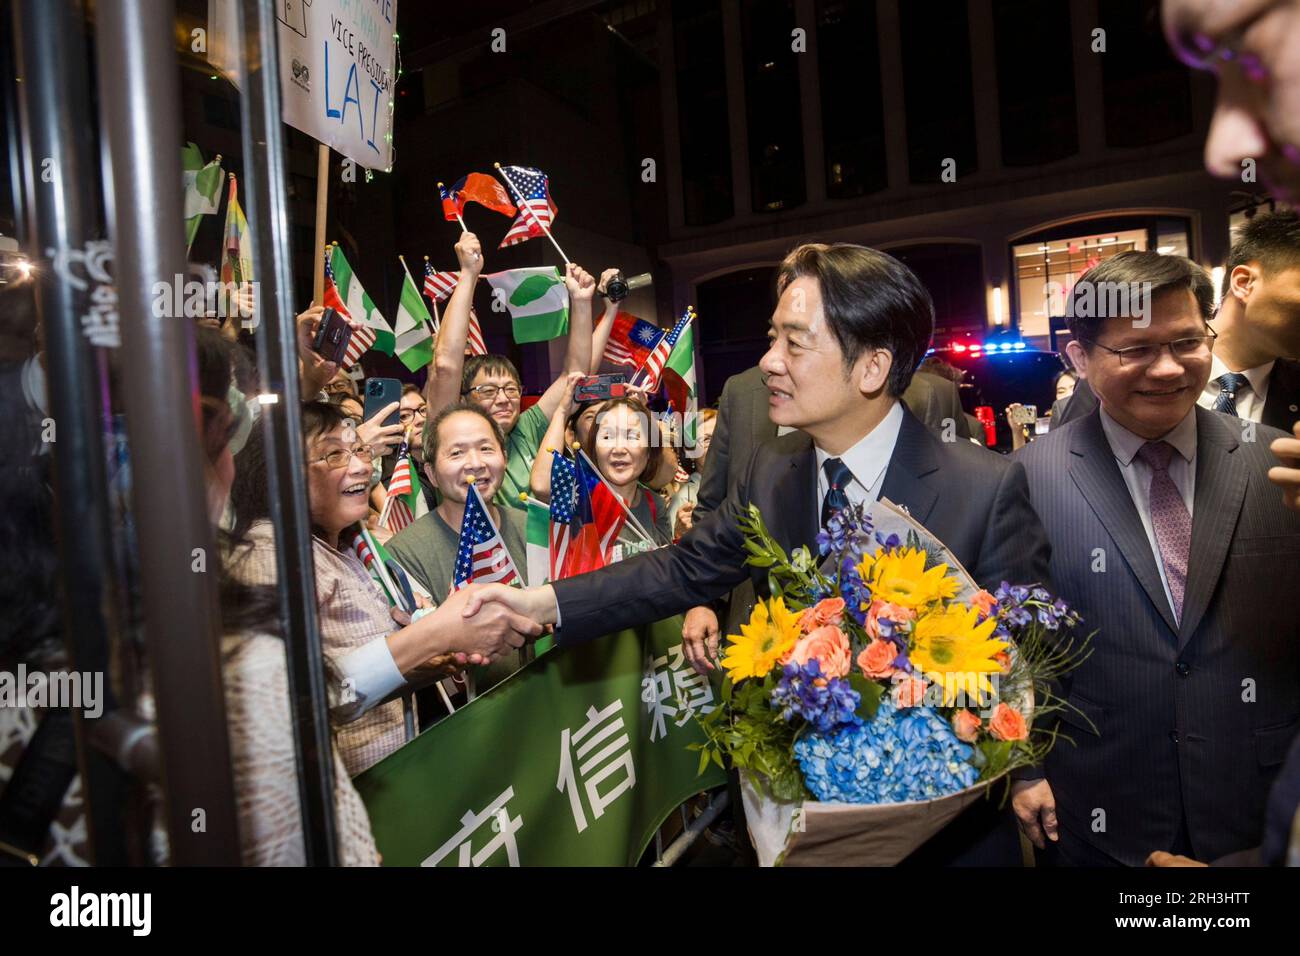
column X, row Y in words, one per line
column 574, row 761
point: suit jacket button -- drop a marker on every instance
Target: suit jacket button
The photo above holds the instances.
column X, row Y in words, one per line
column 1183, row 668
column 1173, row 735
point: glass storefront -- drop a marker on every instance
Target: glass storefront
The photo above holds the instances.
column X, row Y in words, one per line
column 1047, row 265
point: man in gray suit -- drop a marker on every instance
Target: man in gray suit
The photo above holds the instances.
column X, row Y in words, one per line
column 743, row 425
column 1169, row 540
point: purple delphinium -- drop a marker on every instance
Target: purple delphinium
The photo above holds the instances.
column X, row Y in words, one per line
column 825, row 705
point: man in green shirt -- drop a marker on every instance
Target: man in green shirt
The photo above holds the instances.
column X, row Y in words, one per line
column 492, row 382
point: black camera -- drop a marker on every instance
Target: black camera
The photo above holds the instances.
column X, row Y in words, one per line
column 618, row 288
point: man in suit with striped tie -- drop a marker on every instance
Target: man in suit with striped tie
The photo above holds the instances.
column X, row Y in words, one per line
column 1169, row 540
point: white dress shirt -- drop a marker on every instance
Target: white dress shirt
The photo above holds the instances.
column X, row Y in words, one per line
column 1250, row 397
column 868, row 460
column 1137, row 473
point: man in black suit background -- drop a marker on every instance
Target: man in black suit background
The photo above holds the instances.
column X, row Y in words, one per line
column 1169, row 540
column 1254, row 373
column 850, row 326
column 743, row 424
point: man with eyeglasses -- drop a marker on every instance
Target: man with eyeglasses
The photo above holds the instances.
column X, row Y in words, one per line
column 492, row 382
column 1169, row 540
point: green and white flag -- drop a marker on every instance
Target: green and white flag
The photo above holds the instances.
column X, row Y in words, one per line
column 202, row 189
column 537, row 551
column 537, row 301
column 360, row 306
column 681, row 386
column 413, row 327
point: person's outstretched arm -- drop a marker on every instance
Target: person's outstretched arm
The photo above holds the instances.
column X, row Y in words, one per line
column 443, row 386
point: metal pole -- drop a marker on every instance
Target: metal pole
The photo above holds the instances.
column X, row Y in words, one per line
column 59, row 175
column 140, row 114
column 267, row 207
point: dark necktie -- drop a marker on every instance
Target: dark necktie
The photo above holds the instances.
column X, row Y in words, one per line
column 1169, row 519
column 838, row 477
column 1229, row 384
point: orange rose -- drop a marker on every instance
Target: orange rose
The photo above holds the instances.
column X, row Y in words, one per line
column 831, row 648
column 984, row 602
column 826, row 611
column 891, row 612
column 1007, row 724
column 877, row 660
column 966, row 726
column 909, row 692
column 1003, row 658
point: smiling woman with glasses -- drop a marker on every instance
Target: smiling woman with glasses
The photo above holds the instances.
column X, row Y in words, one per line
column 359, row 634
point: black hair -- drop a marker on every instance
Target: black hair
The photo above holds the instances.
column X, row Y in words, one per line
column 491, row 364
column 871, row 301
column 1118, row 288
column 1271, row 238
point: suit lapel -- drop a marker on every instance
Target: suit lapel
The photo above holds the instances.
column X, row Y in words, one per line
column 1097, row 476
column 796, row 491
column 1221, row 479
column 916, row 455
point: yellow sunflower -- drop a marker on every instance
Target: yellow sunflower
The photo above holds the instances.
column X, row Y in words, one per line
column 955, row 652
column 771, row 632
column 899, row 577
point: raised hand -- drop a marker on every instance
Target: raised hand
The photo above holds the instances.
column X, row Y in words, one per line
column 579, row 282
column 603, row 285
column 469, row 253
column 315, row 370
column 382, row 438
column 700, row 635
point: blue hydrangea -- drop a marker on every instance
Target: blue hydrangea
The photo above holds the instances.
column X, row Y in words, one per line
column 824, row 706
column 900, row 754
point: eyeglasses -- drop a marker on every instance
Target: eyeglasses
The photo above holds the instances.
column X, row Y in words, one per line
column 408, row 415
column 1137, row 356
column 338, row 388
column 342, row 457
column 488, row 393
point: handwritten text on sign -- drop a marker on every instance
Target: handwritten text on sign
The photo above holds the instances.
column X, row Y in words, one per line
column 337, row 70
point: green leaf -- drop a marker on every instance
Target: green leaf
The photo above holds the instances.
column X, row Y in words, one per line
column 870, row 691
column 704, row 761
column 726, row 690
column 717, row 758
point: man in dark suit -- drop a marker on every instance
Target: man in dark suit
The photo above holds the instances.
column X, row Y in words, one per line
column 743, row 424
column 850, row 326
column 1168, row 539
column 1253, row 374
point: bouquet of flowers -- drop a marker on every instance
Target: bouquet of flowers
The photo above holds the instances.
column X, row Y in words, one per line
column 879, row 691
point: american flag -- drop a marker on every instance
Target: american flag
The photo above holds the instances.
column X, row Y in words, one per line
column 655, row 363
column 397, row 512
column 475, row 337
column 438, row 285
column 536, row 210
column 362, row 337
column 481, row 555
column 630, row 340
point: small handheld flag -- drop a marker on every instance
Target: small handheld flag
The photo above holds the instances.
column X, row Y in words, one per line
column 481, row 554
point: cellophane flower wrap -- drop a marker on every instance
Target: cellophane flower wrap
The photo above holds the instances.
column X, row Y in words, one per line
column 879, row 673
